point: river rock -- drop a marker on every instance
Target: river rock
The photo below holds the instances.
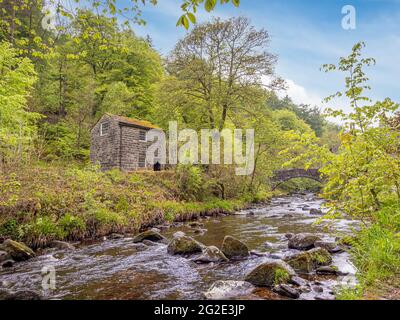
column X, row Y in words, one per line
column 287, row 291
column 297, row 281
column 303, row 241
column 184, row 245
column 300, row 262
column 149, row 243
column 330, row 270
column 318, row 289
column 200, row 231
column 222, row 290
column 7, row 264
column 270, row 273
column 320, row 256
column 211, row 254
column 316, row 211
column 116, row 236
column 178, row 234
column 150, row 235
column 234, row 248
column 331, row 247
column 17, row 250
column 61, row 245
column 309, row 260
column 19, row 295
column 259, row 253
column 196, row 224
column 4, row 256
column 289, row 235
column 163, row 226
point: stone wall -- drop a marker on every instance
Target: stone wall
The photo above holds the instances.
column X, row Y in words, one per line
column 105, row 150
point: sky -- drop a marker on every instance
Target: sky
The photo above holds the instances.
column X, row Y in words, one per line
column 305, row 34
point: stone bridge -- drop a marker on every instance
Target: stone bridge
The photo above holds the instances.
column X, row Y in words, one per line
column 281, row 176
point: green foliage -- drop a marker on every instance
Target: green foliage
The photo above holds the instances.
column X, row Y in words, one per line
column 288, row 121
column 10, row 228
column 377, row 251
column 349, row 293
column 363, row 175
column 40, row 231
column 17, row 124
column 281, row 276
column 189, row 181
column 72, row 227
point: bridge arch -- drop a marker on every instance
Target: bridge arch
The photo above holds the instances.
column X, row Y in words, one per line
column 281, row 176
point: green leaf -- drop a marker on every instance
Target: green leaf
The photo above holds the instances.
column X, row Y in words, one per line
column 236, row 3
column 191, row 17
column 210, row 5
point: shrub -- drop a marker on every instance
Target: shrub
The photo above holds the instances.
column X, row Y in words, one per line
column 189, row 182
column 39, row 232
column 72, row 227
column 9, row 229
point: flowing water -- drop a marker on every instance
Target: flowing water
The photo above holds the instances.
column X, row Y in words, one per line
column 120, row 269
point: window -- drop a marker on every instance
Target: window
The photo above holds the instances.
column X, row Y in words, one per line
column 104, row 128
column 142, row 159
column 142, row 135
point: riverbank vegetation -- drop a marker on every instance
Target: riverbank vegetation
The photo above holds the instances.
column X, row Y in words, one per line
column 363, row 176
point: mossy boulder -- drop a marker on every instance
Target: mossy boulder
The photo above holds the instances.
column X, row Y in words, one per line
column 320, row 256
column 309, row 260
column 234, row 248
column 17, row 250
column 150, row 235
column 184, row 246
column 211, row 254
column 330, row 246
column 300, row 262
column 270, row 274
column 303, row 241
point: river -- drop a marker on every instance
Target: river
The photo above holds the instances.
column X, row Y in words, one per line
column 120, row 269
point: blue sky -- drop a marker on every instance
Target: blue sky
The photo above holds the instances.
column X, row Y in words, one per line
column 305, row 34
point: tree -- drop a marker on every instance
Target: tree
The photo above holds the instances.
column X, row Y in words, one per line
column 363, row 175
column 17, row 124
column 219, row 64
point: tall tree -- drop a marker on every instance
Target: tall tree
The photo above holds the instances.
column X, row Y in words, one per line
column 219, row 63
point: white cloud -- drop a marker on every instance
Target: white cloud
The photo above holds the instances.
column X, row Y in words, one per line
column 299, row 94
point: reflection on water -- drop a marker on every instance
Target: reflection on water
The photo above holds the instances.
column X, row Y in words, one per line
column 120, row 269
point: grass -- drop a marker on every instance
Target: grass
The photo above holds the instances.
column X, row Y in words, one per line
column 71, row 202
column 281, row 276
column 376, row 254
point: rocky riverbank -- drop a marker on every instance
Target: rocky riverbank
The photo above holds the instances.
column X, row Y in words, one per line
column 269, row 252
